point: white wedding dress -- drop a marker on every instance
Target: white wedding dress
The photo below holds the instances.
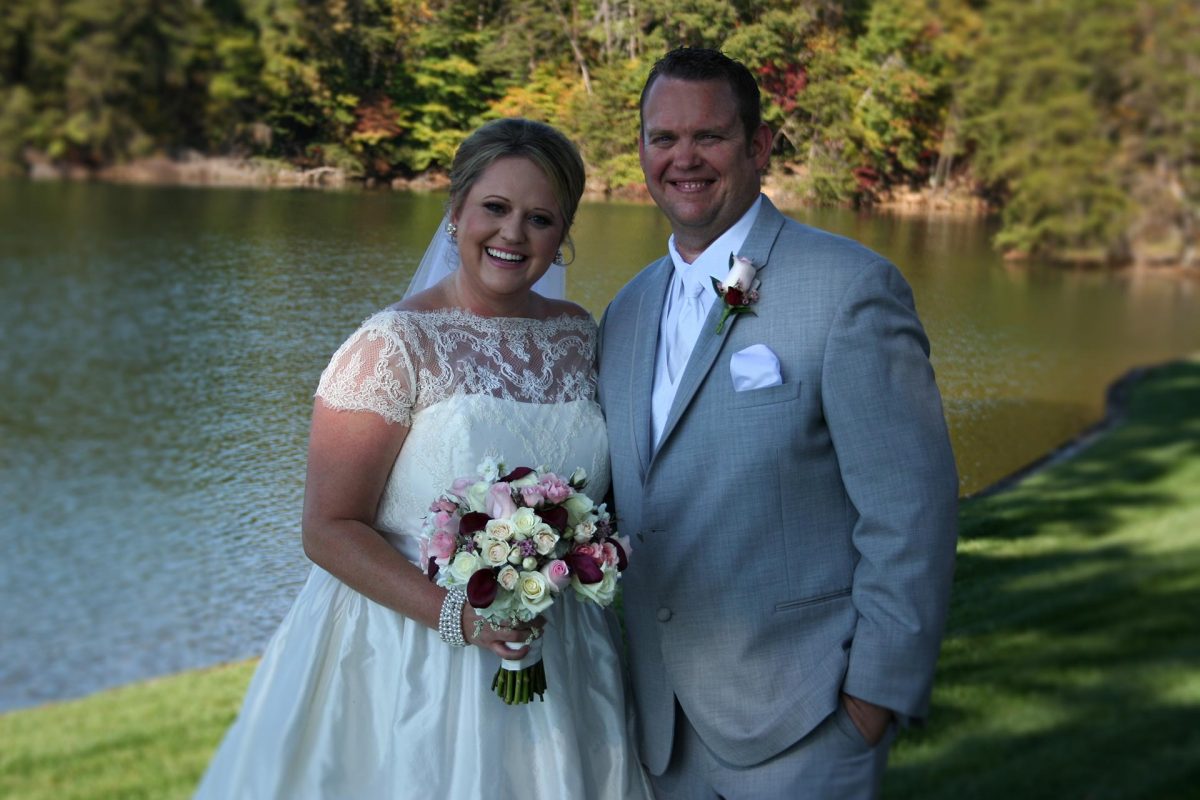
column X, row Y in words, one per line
column 353, row 700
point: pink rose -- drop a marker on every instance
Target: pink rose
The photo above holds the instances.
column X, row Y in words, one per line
column 444, row 521
column 610, row 554
column 441, row 545
column 442, row 504
column 500, row 504
column 532, row 495
column 593, row 551
column 555, row 489
column 460, row 486
column 557, row 573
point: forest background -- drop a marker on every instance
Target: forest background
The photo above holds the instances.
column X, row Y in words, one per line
column 1077, row 121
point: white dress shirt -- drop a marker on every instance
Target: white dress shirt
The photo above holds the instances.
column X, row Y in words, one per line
column 689, row 299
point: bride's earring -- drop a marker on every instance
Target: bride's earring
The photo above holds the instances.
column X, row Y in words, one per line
column 452, row 232
column 558, row 258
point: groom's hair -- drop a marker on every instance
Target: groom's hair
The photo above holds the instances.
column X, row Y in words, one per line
column 705, row 64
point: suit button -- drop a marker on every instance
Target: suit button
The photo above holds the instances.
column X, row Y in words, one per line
column 664, row 614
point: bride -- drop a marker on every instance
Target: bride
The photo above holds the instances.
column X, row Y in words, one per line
column 360, row 693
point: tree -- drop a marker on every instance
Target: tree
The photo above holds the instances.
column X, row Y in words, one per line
column 1040, row 105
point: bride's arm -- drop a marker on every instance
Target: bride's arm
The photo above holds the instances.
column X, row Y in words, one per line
column 350, row 455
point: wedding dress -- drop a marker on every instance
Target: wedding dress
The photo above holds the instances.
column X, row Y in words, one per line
column 353, row 700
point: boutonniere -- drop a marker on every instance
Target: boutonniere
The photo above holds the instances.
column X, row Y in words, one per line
column 739, row 290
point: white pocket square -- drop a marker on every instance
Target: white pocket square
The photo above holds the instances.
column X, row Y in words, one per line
column 756, row 367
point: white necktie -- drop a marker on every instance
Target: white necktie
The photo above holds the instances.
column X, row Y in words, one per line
column 689, row 316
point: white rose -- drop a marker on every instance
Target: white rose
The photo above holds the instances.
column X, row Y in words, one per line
column 464, row 566
column 544, row 539
column 501, row 609
column 529, row 480
column 578, row 478
column 477, row 496
column 524, row 521
column 535, row 592
column 585, row 531
column 489, row 469
column 529, row 563
column 741, row 271
column 499, row 529
column 514, row 556
column 507, row 578
column 601, row 593
column 495, row 552
column 578, row 506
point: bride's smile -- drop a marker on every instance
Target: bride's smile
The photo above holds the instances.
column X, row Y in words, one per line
column 509, row 229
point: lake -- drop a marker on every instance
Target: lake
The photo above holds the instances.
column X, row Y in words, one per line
column 161, row 346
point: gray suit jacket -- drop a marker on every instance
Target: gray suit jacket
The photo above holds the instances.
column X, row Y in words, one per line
column 788, row 542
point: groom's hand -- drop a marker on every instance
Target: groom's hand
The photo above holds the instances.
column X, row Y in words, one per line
column 871, row 720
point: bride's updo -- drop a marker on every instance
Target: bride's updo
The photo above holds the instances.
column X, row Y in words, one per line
column 525, row 138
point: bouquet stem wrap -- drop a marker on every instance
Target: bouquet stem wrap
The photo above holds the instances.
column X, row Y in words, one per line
column 517, row 681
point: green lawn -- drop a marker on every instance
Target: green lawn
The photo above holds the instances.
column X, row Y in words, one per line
column 1071, row 667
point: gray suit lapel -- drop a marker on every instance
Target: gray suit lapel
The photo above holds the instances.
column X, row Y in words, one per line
column 649, row 319
column 757, row 248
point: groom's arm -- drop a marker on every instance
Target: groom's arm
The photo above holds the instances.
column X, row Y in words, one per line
column 885, row 418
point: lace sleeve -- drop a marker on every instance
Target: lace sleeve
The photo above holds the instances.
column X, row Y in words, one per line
column 372, row 371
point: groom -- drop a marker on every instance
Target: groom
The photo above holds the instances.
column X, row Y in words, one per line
column 786, row 476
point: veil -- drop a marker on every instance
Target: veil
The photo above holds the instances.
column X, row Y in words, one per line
column 441, row 258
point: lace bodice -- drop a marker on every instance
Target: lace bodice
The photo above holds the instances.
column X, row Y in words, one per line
column 470, row 387
column 399, row 362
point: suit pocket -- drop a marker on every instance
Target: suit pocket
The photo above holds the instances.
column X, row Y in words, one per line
column 771, row 394
column 790, row 605
column 845, row 723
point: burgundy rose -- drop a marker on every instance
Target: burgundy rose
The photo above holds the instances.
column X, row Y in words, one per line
column 515, row 475
column 733, row 296
column 555, row 517
column 482, row 588
column 584, row 567
column 622, row 557
column 472, row 522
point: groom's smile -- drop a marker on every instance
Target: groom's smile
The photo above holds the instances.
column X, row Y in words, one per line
column 699, row 167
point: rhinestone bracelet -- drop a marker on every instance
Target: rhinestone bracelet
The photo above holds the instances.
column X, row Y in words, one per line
column 450, row 619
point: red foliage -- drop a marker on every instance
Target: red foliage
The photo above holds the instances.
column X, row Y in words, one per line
column 867, row 177
column 782, row 83
column 377, row 116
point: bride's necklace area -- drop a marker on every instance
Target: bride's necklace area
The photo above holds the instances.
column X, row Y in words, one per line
column 454, row 300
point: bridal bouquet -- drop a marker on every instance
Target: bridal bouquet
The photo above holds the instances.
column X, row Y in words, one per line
column 516, row 540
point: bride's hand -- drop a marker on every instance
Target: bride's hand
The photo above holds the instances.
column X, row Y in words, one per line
column 494, row 639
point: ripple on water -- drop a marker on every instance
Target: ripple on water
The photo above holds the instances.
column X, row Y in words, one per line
column 161, row 347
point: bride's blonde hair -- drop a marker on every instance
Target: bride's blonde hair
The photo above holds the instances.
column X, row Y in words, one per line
column 540, row 143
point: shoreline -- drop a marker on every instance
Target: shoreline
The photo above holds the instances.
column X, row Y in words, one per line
column 198, row 170
column 1116, row 408
column 194, row 169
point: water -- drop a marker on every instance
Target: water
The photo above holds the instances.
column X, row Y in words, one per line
column 161, row 345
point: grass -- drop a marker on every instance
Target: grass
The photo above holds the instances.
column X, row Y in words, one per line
column 146, row 740
column 1071, row 666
